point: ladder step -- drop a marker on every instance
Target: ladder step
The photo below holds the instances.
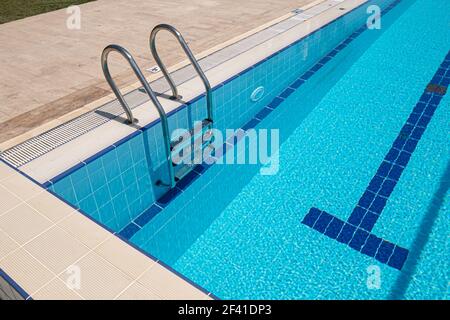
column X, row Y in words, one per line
column 195, row 152
column 183, row 140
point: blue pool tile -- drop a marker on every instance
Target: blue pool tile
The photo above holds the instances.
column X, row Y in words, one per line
column 391, row 156
column 307, row 75
column 201, row 168
column 148, row 215
column 311, row 217
column 385, row 167
column 399, row 142
column 371, row 246
column 251, row 124
column 375, row 184
column 341, row 46
column 333, row 53
column 413, row 118
column 129, row 231
column 429, row 110
column 387, row 188
column 410, row 145
column 435, row 100
column 275, row 103
column 359, row 239
column 369, row 221
column 316, row 67
column 334, row 228
column 403, row 158
column 346, row 233
column 297, row 83
column 168, row 197
column 423, row 121
column 384, row 251
column 378, row 204
column 286, row 93
column 417, row 133
column 407, row 129
column 357, row 216
column 323, row 222
column 398, row 258
column 395, row 172
column 419, row 108
column 324, row 60
column 366, row 199
column 263, row 113
column 187, row 180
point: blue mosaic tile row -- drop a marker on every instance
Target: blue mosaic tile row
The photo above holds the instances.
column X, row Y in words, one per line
column 356, row 231
column 134, row 227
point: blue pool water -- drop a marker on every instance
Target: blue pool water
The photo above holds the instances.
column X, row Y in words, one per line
column 241, row 235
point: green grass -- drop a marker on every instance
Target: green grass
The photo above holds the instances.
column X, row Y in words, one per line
column 11, row 10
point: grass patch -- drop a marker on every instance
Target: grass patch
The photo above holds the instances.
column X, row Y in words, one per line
column 11, row 10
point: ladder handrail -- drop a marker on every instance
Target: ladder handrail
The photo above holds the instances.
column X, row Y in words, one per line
column 162, row 114
column 192, row 59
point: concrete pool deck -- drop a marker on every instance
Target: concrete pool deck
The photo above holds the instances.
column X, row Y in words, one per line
column 48, row 70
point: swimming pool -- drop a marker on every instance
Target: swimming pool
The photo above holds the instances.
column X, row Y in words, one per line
column 356, row 210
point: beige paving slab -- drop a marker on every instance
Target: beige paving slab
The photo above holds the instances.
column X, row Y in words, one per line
column 84, row 230
column 50, row 206
column 7, row 245
column 56, row 249
column 23, row 223
column 20, row 186
column 56, row 290
column 168, row 285
column 8, row 200
column 127, row 259
column 26, row 270
column 5, row 171
column 99, row 279
column 138, row 292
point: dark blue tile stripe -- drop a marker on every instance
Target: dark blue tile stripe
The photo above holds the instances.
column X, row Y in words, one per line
column 356, row 231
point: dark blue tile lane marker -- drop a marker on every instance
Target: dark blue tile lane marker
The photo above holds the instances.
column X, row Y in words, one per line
column 133, row 227
column 356, row 232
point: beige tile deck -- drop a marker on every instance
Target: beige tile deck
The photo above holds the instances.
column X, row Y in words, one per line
column 167, row 284
column 43, row 238
column 84, row 230
column 56, row 249
column 23, row 223
column 26, row 270
column 56, row 290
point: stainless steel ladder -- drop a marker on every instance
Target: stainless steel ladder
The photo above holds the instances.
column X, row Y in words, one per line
column 179, row 143
column 151, row 94
column 206, row 124
column 194, row 62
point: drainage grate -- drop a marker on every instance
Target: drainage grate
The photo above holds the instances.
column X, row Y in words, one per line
column 37, row 146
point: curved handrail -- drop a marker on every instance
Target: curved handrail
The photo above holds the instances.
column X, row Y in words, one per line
column 162, row 114
column 192, row 59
